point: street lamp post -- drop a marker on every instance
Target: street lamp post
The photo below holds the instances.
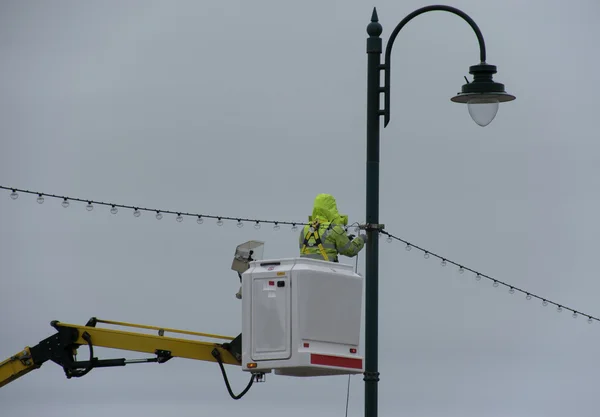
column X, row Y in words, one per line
column 482, row 96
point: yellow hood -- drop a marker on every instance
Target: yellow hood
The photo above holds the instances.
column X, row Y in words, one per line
column 325, row 210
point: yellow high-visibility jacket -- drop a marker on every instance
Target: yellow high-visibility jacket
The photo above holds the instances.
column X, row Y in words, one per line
column 331, row 232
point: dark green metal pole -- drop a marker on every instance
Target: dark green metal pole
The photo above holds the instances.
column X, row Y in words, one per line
column 371, row 376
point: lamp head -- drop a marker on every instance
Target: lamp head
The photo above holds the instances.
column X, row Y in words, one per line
column 483, row 94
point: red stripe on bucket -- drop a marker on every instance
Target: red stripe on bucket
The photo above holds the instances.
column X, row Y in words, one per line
column 338, row 361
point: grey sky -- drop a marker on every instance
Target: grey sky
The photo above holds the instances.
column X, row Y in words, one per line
column 220, row 107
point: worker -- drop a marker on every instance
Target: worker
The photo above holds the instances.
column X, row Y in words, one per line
column 325, row 237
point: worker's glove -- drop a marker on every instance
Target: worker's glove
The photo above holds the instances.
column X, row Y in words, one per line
column 351, row 237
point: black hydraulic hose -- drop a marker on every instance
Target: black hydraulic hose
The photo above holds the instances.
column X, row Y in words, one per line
column 78, row 374
column 217, row 356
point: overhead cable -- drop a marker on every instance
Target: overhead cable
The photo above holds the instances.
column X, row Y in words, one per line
column 495, row 282
column 277, row 225
column 159, row 213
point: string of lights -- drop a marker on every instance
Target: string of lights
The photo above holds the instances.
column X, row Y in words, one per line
column 159, row 213
column 495, row 282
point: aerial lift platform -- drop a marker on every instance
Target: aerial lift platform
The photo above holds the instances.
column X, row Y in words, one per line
column 300, row 317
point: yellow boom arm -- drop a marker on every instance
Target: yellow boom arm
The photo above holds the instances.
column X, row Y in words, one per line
column 61, row 348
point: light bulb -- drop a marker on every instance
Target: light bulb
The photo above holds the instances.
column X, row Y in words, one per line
column 483, row 110
column 589, row 320
column 240, row 224
column 559, row 309
column 495, row 283
column 114, row 210
column 257, row 225
column 179, row 217
column 389, row 239
column 199, row 220
column 65, row 203
column 528, row 296
column 426, row 255
column 276, row 227
column 461, row 270
column 478, row 277
column 443, row 262
column 512, row 290
column 159, row 215
column 544, row 303
column 136, row 213
column 14, row 195
column 294, row 227
column 408, row 247
column 574, row 314
column 220, row 222
column 89, row 206
column 40, row 199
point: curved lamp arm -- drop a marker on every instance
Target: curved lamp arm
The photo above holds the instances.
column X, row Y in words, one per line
column 408, row 18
